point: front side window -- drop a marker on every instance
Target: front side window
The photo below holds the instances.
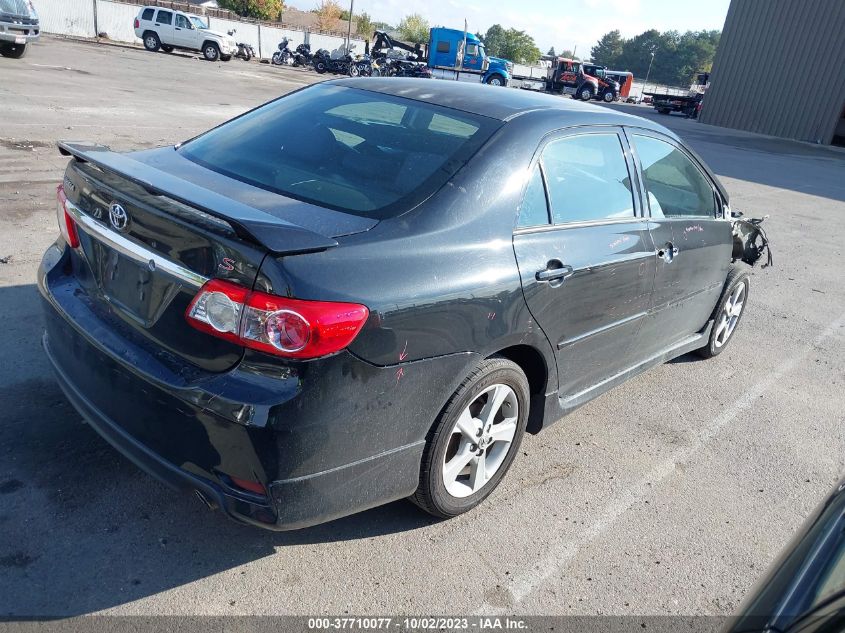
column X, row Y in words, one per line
column 198, row 23
column 147, row 14
column 534, row 210
column 675, row 186
column 182, row 22
column 587, row 178
column 472, row 50
column 353, row 150
column 164, row 17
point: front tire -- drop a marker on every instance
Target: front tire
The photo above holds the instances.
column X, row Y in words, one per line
column 151, row 41
column 15, row 51
column 728, row 312
column 585, row 94
column 211, row 51
column 495, row 80
column 474, row 440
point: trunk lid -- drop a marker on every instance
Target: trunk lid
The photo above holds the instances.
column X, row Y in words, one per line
column 150, row 238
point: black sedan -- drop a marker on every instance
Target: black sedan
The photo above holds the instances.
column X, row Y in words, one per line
column 370, row 289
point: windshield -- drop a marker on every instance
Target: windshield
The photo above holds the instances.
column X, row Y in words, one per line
column 15, row 7
column 353, row 150
column 198, row 23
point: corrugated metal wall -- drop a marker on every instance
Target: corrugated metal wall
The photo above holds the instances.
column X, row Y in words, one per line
column 780, row 69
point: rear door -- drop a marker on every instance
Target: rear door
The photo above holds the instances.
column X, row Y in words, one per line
column 164, row 27
column 692, row 239
column 585, row 255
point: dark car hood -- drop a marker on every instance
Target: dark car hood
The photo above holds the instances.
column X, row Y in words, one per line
column 318, row 219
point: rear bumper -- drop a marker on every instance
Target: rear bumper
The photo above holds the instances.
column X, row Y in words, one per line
column 325, row 440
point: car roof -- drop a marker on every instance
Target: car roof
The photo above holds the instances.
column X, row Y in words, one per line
column 495, row 102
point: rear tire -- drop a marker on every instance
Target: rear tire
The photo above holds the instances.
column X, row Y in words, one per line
column 608, row 97
column 211, row 51
column 728, row 312
column 151, row 41
column 491, row 408
column 320, row 67
column 15, row 51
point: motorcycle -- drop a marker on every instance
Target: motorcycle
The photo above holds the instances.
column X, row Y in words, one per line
column 245, row 51
column 395, row 67
column 361, row 66
column 324, row 63
column 282, row 56
column 302, row 55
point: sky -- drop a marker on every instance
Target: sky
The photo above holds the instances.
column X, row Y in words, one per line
column 559, row 23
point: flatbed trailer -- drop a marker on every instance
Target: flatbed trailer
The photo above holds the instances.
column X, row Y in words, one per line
column 685, row 104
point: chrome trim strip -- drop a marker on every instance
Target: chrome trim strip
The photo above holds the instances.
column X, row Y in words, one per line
column 133, row 250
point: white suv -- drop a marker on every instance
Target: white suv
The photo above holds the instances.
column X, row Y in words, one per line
column 167, row 29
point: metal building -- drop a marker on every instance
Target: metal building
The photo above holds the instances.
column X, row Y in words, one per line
column 780, row 70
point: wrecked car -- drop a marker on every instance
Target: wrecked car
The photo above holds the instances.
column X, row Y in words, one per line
column 370, row 290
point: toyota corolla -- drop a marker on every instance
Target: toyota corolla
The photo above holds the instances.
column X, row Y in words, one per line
column 369, row 290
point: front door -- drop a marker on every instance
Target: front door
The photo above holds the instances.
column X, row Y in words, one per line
column 692, row 239
column 473, row 59
column 183, row 33
column 585, row 255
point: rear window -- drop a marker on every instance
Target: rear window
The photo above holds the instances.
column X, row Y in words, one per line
column 147, row 14
column 357, row 151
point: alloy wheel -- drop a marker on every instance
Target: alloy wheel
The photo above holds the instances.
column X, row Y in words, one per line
column 480, row 440
column 730, row 315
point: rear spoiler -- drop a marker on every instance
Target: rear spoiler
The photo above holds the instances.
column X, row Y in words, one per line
column 259, row 227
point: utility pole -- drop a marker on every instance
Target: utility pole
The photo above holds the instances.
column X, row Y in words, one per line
column 349, row 27
column 648, row 72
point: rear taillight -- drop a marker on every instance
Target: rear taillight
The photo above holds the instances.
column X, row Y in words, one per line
column 137, row 23
column 294, row 328
column 67, row 225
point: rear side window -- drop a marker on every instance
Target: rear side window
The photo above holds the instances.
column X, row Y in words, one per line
column 164, row 17
column 353, row 150
column 148, row 14
column 587, row 179
column 534, row 210
column 676, row 187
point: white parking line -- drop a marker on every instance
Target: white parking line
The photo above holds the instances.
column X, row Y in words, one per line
column 559, row 554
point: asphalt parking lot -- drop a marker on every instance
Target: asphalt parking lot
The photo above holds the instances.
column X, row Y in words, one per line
column 669, row 495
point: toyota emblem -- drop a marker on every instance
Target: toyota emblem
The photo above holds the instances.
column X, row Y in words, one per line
column 118, row 217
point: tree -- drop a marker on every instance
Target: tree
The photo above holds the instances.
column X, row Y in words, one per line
column 328, row 12
column 414, row 28
column 511, row 44
column 259, row 9
column 494, row 40
column 365, row 25
column 608, row 49
column 520, row 47
column 551, row 52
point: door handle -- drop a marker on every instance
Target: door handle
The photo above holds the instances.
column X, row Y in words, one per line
column 552, row 272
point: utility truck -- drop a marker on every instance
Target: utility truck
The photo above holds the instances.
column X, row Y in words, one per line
column 450, row 54
column 567, row 76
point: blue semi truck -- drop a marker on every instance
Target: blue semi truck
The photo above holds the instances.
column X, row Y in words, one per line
column 452, row 54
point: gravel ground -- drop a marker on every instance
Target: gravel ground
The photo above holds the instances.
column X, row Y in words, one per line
column 669, row 495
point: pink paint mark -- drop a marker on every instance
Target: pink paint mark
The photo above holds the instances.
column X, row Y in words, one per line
column 619, row 240
column 695, row 228
column 491, row 315
column 404, row 353
column 400, row 373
